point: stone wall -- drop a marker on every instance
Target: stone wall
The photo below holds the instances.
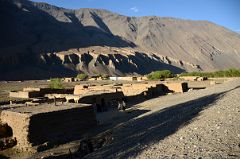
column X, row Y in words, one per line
column 69, row 79
column 24, row 94
column 19, row 122
column 177, row 87
column 193, row 78
column 142, row 91
column 30, row 89
column 189, row 78
column 136, row 89
column 38, row 92
column 102, row 99
column 158, row 90
column 80, row 89
column 33, row 126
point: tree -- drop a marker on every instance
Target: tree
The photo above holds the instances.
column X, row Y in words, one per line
column 56, row 83
column 156, row 75
column 82, row 76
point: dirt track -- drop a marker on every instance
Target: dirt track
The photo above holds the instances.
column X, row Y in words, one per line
column 197, row 124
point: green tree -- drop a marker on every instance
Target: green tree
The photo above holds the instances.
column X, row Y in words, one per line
column 82, row 76
column 156, row 75
column 223, row 73
column 56, row 83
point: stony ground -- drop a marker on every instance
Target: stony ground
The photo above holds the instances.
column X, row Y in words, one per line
column 197, row 124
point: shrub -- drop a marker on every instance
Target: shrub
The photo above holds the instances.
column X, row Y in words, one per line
column 82, row 76
column 105, row 76
column 224, row 73
column 160, row 75
column 56, row 83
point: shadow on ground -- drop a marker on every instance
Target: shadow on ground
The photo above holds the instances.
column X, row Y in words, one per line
column 3, row 157
column 131, row 138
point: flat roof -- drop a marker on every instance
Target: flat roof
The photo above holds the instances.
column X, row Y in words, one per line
column 44, row 108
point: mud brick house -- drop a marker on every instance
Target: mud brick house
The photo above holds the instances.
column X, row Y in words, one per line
column 35, row 125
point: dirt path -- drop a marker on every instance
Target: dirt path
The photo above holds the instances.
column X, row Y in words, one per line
column 197, row 124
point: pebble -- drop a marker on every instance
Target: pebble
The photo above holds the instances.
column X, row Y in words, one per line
column 181, row 138
column 212, row 126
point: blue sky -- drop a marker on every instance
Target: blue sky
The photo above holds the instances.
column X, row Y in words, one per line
column 222, row 12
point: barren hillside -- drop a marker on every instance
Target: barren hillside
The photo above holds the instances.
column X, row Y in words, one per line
column 33, row 34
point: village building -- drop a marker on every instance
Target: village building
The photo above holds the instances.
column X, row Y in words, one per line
column 69, row 79
column 37, row 92
column 129, row 78
column 33, row 126
column 193, row 78
column 178, row 87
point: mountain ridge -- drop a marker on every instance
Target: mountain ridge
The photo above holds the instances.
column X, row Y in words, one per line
column 31, row 30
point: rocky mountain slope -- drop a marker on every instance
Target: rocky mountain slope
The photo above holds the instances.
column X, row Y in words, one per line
column 37, row 38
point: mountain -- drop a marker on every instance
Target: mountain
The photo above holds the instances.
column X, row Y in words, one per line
column 39, row 40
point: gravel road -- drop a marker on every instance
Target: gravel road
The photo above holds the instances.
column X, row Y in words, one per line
column 196, row 124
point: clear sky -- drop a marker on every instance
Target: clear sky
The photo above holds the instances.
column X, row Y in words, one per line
column 222, row 12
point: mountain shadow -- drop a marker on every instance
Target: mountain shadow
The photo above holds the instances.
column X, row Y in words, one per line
column 41, row 29
column 27, row 31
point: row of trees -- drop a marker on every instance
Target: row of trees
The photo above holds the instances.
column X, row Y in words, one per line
column 224, row 73
column 168, row 74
